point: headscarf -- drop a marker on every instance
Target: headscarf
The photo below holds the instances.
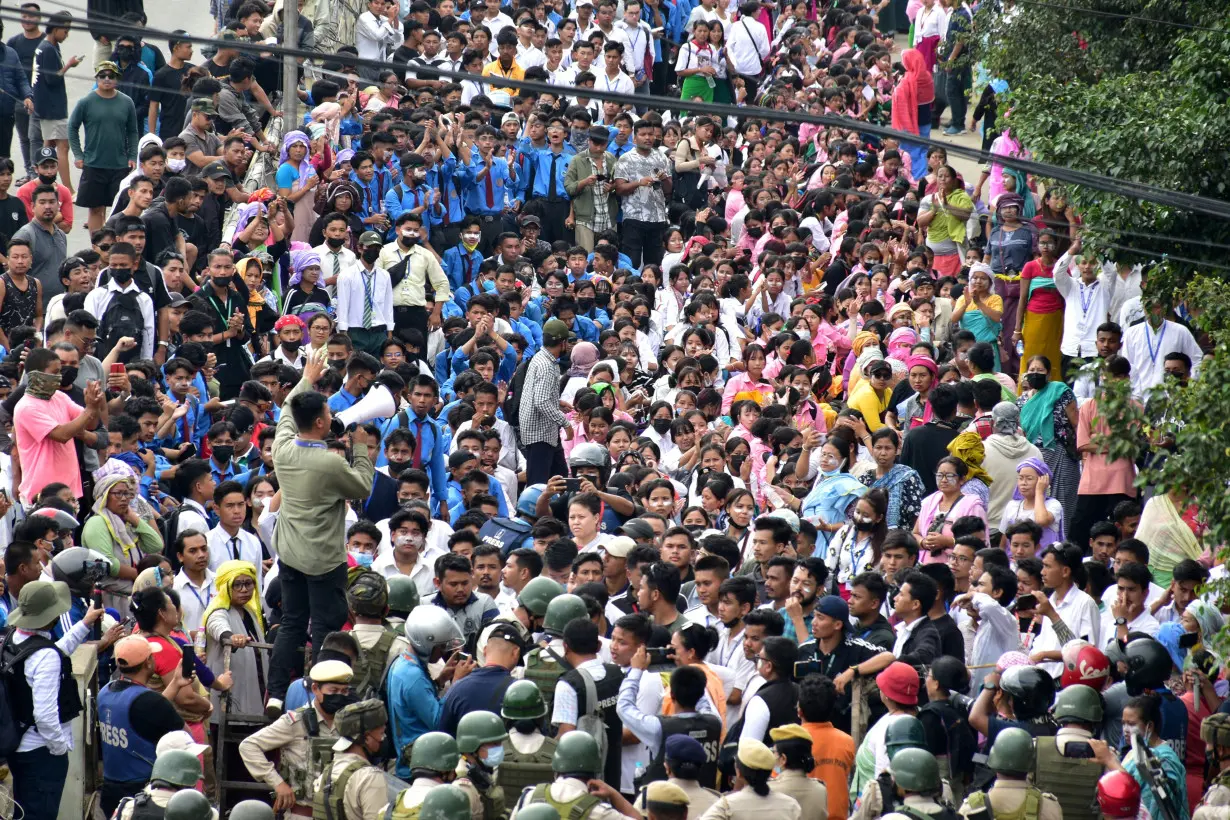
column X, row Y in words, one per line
column 969, row 448
column 1005, row 418
column 923, row 361
column 104, row 482
column 306, row 171
column 868, row 357
column 225, row 576
column 300, row 260
column 329, row 113
column 247, row 212
column 914, row 89
column 899, row 308
column 863, row 339
column 287, row 321
column 1037, row 465
column 900, row 341
column 345, row 155
column 1010, row 659
column 1211, row 621
column 1009, row 200
column 582, row 358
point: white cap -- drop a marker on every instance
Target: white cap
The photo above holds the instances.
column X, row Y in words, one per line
column 179, row 740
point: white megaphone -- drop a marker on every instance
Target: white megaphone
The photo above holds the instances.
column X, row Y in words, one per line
column 378, row 403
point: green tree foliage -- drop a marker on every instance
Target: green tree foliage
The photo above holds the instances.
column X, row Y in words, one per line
column 1133, row 99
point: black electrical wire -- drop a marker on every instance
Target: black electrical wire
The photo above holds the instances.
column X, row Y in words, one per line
column 1153, row 21
column 1132, row 190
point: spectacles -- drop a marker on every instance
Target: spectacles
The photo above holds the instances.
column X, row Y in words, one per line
column 243, row 583
column 945, row 477
column 959, row 559
column 122, row 495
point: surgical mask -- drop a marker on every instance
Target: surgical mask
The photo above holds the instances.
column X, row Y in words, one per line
column 48, row 179
column 223, row 453
column 371, row 254
column 68, row 375
column 470, row 240
column 42, row 385
column 122, row 276
column 395, row 467
column 177, row 165
column 332, row 704
column 642, row 322
column 335, row 244
column 337, row 364
column 363, row 559
column 1036, row 381
column 494, row 757
column 662, row 426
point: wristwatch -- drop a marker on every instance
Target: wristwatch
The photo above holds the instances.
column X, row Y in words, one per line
column 1120, row 621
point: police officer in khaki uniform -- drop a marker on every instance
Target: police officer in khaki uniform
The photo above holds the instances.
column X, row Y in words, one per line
column 434, row 762
column 352, row 788
column 684, row 759
column 752, row 799
column 304, row 737
column 1012, row 760
column 480, row 739
column 577, row 793
column 792, row 745
column 666, row 801
column 368, row 599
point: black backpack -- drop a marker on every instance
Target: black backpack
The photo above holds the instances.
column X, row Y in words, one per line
column 121, row 318
column 512, row 402
column 12, row 696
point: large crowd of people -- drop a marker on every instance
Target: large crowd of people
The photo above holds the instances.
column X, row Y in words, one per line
column 525, row 455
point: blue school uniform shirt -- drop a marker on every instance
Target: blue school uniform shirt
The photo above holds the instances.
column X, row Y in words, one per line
column 542, row 160
column 401, row 198
column 477, row 199
column 432, row 447
column 460, row 266
column 449, row 178
column 341, row 400
column 505, row 371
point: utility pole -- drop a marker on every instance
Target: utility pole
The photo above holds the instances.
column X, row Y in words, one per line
column 290, row 66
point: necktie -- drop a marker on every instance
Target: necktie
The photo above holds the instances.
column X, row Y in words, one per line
column 337, row 265
column 367, row 300
column 418, row 444
column 490, row 187
column 465, row 263
column 444, row 197
column 235, row 548
column 551, row 190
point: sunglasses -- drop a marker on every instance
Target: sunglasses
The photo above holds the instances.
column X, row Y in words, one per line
column 104, row 248
column 107, row 75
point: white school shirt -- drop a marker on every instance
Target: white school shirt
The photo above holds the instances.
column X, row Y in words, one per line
column 621, row 83
column 1085, row 307
column 639, row 38
column 222, row 550
column 351, row 298
column 99, row 299
column 1080, row 613
column 749, row 46
column 1147, row 349
column 194, row 600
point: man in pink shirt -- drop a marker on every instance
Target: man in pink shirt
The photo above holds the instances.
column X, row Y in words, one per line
column 46, row 421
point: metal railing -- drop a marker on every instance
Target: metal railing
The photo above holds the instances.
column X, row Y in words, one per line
column 261, row 172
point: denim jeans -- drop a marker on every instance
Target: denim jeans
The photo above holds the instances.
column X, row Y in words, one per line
column 320, row 599
column 38, row 782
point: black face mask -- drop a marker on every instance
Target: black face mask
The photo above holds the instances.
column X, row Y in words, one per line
column 642, row 322
column 525, row 727
column 799, row 492
column 864, row 526
column 1036, row 381
column 122, row 276
column 125, row 53
column 1189, row 639
column 223, row 453
column 292, row 348
column 337, row 364
column 585, row 305
column 335, row 244
column 68, row 375
column 755, row 232
column 395, row 467
column 662, row 426
column 47, row 180
column 371, row 254
column 332, row 704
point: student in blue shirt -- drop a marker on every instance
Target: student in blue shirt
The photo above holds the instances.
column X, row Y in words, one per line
column 462, row 261
column 221, row 438
column 412, row 194
column 549, row 187
column 565, row 309
column 361, row 371
column 531, row 331
column 489, row 192
column 370, row 206
column 448, row 178
column 482, row 283
column 430, row 448
column 586, row 295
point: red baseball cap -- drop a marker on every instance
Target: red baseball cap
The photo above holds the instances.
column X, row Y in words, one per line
column 899, row 682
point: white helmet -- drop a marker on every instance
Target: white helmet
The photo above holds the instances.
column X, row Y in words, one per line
column 429, row 626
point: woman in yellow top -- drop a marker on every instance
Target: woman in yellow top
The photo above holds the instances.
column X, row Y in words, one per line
column 943, row 214
column 872, row 395
column 980, row 310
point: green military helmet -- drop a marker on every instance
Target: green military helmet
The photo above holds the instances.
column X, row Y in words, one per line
column 477, row 728
column 915, row 770
column 563, row 610
column 445, row 802
column 1078, row 703
column 904, row 733
column 252, row 810
column 537, row 811
column 577, row 753
column 178, row 768
column 1214, row 730
column 537, row 594
column 368, row 595
column 435, row 752
column 354, row 720
column 523, row 701
column 188, row 804
column 1012, row 752
column 403, row 594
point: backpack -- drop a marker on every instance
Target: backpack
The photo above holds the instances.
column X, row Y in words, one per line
column 592, row 723
column 168, row 526
column 512, row 402
column 12, row 656
column 121, row 318
column 371, row 666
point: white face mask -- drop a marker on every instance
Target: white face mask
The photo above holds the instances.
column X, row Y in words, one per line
column 177, row 165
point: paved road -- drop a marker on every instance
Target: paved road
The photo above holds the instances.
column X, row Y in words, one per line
column 164, row 15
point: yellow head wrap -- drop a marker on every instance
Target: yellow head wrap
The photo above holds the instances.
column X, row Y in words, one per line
column 226, row 575
column 969, row 448
column 864, row 338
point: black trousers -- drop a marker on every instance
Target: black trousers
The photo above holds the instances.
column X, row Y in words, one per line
column 7, row 123
column 642, row 242
column 1090, row 509
column 22, row 120
column 544, row 461
column 554, row 212
column 316, row 599
column 412, row 317
column 492, row 227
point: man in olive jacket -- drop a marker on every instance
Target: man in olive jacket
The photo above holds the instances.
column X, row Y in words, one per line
column 589, row 183
column 310, row 534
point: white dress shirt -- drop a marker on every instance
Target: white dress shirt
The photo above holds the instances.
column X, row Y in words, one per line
column 1085, row 307
column 565, row 706
column 376, row 38
column 1146, row 349
column 749, row 46
column 998, row 632
column 193, row 599
column 99, row 299
column 529, row 56
column 1144, row 622
column 192, row 517
column 345, row 258
column 637, row 39
column 1080, row 613
column 223, row 547
column 621, row 83
column 422, row 575
column 352, row 287
column 42, row 672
